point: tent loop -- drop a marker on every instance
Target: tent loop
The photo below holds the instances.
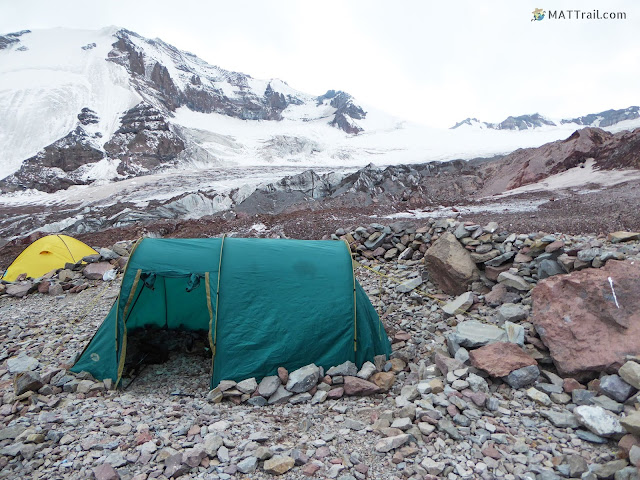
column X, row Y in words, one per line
column 194, row 282
column 149, row 280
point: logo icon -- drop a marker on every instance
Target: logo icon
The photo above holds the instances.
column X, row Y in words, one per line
column 538, row 14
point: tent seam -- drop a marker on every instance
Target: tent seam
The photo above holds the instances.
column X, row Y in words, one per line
column 355, row 315
column 215, row 327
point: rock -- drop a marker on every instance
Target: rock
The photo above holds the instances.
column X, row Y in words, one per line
column 562, row 419
column 384, row 380
column 515, row 333
column 523, row 376
column 616, row 388
column 173, row 466
column 500, row 259
column 22, row 363
column 248, row 465
column 65, row 275
column 19, row 290
column 460, row 305
column 538, row 396
column 472, row 334
column 303, row 379
column 211, row 443
column 608, row 404
column 300, row 398
column 282, row 395
column 278, row 464
column 627, row 473
column 631, row 423
column 55, row 290
column 390, row 443
column 347, row 368
column 283, row 375
column 27, row 382
column 247, row 386
column 358, row 386
column 105, row 472
column 598, row 420
column 95, row 271
column 366, row 371
column 409, row 285
column 500, row 359
column 432, row 467
column 609, row 469
column 580, row 396
column 268, row 386
column 510, row 312
column 12, row 432
column 630, row 373
column 616, row 237
column 549, row 268
column 193, row 456
column 492, row 273
column 585, row 302
column 450, row 265
column 514, row 281
column 577, row 465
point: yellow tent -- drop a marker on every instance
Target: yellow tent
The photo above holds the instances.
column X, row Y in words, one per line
column 46, row 254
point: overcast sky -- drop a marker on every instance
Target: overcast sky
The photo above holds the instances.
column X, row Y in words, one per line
column 431, row 62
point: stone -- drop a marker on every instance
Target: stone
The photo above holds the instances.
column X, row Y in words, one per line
column 95, row 271
column 193, row 456
column 577, row 465
column 347, row 368
column 268, row 386
column 492, row 273
column 390, row 443
column 335, row 393
column 27, row 382
column 55, row 290
column 248, row 465
column 510, row 312
column 561, row 419
column 283, row 375
column 473, row 334
column 461, row 304
column 515, row 333
column 433, row 467
column 173, row 466
column 358, row 386
column 303, row 379
column 627, row 473
column 585, row 302
column 278, row 464
column 580, row 396
column 620, row 236
column 105, row 472
column 500, row 259
column 500, row 359
column 450, row 265
column 18, row 290
column 523, row 376
column 549, row 268
column 12, row 432
column 514, row 281
column 608, row 404
column 615, row 387
column 282, row 395
column 300, row 398
column 630, row 373
column 409, row 285
column 22, row 363
column 366, row 371
column 65, row 275
column 609, row 469
column 598, row 420
column 384, row 380
column 211, row 443
column 538, row 396
column 247, row 386
column 631, row 423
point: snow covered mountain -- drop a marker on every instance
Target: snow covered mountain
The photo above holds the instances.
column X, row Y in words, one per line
column 81, row 108
column 607, row 118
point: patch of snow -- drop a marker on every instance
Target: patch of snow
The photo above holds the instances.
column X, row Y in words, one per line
column 441, row 211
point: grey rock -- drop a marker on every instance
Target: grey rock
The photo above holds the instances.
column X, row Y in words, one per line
column 549, row 268
column 247, row 386
column 616, row 388
column 19, row 290
column 514, row 281
column 561, row 419
column 282, row 395
column 211, row 443
column 627, row 473
column 459, row 305
column 366, row 371
column 588, row 254
column 577, row 465
column 269, row 385
column 22, row 363
column 27, row 381
column 515, row 333
column 248, row 465
column 303, row 379
column 257, row 401
column 390, row 443
column 348, row 368
column 474, row 334
column 12, row 431
column 409, row 285
column 630, row 373
column 449, row 428
column 581, row 396
column 353, row 424
column 598, row 420
column 500, row 259
column 590, row 437
column 510, row 312
column 300, row 398
column 523, row 376
column 608, row 404
column 609, row 469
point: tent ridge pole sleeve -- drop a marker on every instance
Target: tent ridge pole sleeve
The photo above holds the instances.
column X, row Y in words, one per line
column 123, row 350
column 207, row 283
column 68, row 249
column 355, row 316
column 215, row 325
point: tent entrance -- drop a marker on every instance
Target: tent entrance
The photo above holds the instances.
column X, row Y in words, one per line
column 167, row 330
column 169, row 360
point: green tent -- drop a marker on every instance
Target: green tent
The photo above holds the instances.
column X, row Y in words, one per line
column 266, row 303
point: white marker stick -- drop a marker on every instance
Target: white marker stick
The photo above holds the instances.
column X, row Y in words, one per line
column 615, row 299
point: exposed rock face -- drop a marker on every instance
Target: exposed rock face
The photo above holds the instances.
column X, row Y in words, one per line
column 346, row 111
column 144, row 141
column 450, row 265
column 57, row 166
column 11, row 39
column 570, row 311
column 606, row 118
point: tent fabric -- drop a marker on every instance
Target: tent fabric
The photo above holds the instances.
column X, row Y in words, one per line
column 265, row 303
column 46, row 254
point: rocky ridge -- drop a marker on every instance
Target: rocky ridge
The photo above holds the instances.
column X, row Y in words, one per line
column 470, row 391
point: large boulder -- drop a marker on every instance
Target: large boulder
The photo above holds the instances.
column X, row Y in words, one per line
column 590, row 320
column 450, row 265
column 500, row 359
